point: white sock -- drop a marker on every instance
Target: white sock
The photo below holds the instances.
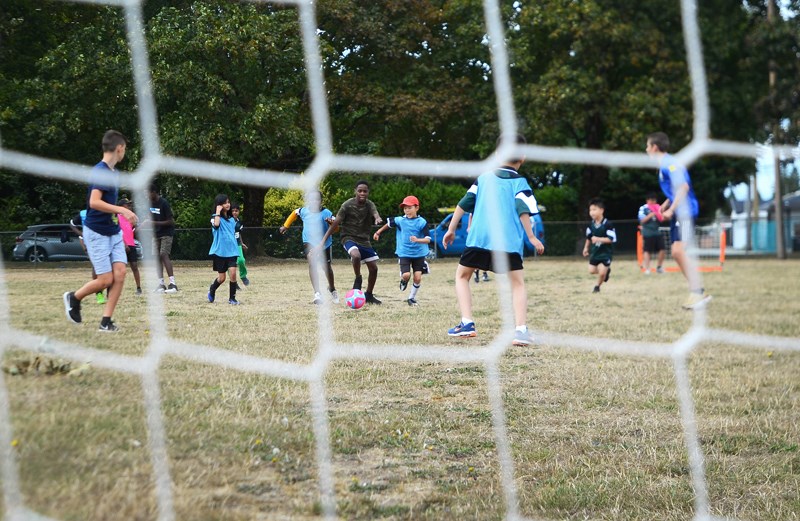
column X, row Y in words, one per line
column 523, row 329
column 161, row 282
column 466, row 321
column 172, row 280
column 414, row 289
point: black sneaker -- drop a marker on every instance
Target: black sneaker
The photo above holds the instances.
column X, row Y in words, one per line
column 161, row 289
column 485, row 277
column 111, row 327
column 238, row 287
column 596, row 289
column 357, row 282
column 72, row 307
column 211, row 294
column 245, row 281
column 371, row 299
column 411, row 302
column 172, row 288
column 608, row 274
column 403, row 284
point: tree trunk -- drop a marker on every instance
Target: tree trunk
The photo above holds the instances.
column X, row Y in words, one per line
column 253, row 217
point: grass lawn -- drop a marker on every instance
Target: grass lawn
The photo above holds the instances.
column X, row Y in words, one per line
column 593, row 435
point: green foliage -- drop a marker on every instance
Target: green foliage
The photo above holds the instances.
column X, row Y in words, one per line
column 279, row 203
column 560, row 203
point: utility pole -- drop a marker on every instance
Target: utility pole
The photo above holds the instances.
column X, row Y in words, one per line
column 780, row 246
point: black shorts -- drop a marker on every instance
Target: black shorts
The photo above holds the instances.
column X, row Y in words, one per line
column 414, row 264
column 221, row 264
column 130, row 251
column 654, row 244
column 604, row 262
column 328, row 253
column 481, row 259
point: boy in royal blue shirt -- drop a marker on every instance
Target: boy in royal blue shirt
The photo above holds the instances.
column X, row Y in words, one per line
column 412, row 244
column 677, row 187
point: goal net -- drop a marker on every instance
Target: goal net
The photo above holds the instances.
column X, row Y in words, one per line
column 164, row 344
column 711, row 243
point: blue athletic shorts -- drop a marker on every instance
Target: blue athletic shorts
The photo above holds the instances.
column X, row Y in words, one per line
column 367, row 254
column 104, row 250
column 674, row 230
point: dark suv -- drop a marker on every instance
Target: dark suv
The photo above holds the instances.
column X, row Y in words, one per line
column 49, row 241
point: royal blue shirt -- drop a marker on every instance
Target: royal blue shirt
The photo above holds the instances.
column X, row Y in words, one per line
column 670, row 173
column 97, row 221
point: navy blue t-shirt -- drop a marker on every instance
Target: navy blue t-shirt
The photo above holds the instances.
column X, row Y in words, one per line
column 102, row 222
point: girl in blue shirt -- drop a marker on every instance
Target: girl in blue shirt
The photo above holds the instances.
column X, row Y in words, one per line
column 224, row 250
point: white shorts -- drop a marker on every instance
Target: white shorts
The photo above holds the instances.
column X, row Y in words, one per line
column 104, row 250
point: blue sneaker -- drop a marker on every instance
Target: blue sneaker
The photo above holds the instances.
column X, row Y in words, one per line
column 233, row 302
column 211, row 295
column 462, row 329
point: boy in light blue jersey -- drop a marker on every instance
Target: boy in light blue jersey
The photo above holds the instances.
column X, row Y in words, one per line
column 677, row 187
column 314, row 210
column 412, row 244
column 501, row 203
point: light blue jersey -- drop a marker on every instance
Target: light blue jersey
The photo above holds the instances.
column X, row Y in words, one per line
column 496, row 201
column 669, row 172
column 304, row 214
column 224, row 243
column 406, row 228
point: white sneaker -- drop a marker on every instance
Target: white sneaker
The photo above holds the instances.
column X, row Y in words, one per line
column 317, row 298
column 696, row 301
column 335, row 296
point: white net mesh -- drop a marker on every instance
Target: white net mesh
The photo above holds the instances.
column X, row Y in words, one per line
column 153, row 160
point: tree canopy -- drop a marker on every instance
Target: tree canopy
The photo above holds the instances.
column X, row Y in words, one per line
column 405, row 78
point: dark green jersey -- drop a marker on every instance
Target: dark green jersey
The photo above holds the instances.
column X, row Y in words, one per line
column 356, row 221
column 605, row 229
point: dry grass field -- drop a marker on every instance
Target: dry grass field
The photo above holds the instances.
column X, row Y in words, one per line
column 592, row 435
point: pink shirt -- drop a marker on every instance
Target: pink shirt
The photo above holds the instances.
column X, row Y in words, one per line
column 655, row 208
column 127, row 231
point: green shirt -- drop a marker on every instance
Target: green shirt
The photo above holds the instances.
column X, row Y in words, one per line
column 356, row 221
column 601, row 251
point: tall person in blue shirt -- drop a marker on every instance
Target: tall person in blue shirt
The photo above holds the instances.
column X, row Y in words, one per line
column 677, row 187
column 102, row 235
column 224, row 249
column 501, row 203
column 314, row 210
column 412, row 244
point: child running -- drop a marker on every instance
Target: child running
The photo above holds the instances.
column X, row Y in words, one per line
column 412, row 244
column 314, row 210
column 356, row 218
column 224, row 249
column 600, row 238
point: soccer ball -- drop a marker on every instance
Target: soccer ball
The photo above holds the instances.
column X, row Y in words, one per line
column 355, row 299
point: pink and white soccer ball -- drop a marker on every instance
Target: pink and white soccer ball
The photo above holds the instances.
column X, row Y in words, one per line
column 355, row 299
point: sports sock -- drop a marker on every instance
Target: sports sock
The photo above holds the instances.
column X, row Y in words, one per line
column 466, row 321
column 232, row 287
column 172, row 280
column 414, row 289
column 522, row 328
column 215, row 285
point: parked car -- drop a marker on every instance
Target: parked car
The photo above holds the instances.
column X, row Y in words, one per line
column 57, row 242
column 460, row 242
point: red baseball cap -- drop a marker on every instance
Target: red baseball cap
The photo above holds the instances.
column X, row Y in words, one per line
column 410, row 200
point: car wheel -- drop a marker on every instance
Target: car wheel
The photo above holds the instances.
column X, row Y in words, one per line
column 36, row 255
